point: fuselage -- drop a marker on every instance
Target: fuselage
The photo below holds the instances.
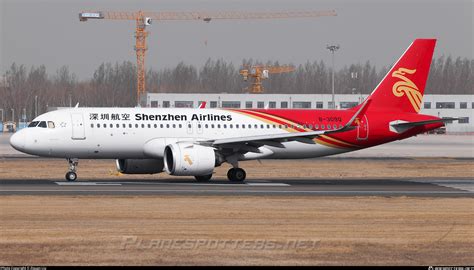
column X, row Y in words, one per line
column 140, row 133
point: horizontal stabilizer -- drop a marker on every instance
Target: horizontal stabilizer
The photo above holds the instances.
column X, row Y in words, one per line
column 400, row 126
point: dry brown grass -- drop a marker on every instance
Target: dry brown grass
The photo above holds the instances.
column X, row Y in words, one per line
column 37, row 230
column 315, row 168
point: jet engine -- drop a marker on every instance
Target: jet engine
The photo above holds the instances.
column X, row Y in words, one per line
column 139, row 166
column 189, row 159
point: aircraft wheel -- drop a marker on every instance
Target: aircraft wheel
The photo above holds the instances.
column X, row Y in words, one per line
column 71, row 176
column 236, row 175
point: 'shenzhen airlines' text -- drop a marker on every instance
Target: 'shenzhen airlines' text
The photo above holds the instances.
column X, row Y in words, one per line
column 181, row 117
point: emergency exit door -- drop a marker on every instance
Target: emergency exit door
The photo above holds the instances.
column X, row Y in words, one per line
column 78, row 129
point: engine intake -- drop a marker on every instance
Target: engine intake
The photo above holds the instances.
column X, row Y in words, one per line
column 139, row 166
column 189, row 159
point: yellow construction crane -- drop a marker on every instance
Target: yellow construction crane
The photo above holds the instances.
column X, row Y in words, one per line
column 144, row 19
column 261, row 72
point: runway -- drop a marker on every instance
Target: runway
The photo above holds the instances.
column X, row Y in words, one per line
column 446, row 187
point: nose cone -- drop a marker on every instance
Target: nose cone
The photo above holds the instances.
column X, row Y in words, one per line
column 18, row 140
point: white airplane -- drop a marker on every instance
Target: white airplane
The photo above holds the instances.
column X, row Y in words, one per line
column 192, row 142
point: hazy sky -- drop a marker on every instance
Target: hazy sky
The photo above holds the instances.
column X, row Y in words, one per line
column 35, row 32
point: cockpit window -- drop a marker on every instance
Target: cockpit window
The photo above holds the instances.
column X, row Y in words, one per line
column 42, row 124
column 50, row 124
column 33, row 124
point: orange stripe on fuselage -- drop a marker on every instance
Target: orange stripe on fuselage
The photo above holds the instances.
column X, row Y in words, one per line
column 271, row 119
column 339, row 141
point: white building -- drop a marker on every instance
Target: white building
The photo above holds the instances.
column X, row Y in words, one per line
column 437, row 105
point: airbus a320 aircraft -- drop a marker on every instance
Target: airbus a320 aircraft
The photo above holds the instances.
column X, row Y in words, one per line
column 192, row 142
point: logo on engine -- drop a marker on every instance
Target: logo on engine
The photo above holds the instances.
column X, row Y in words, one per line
column 188, row 159
column 407, row 87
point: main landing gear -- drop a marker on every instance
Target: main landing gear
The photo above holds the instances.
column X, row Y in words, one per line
column 236, row 175
column 71, row 174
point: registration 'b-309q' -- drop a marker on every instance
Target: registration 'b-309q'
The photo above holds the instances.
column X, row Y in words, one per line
column 192, row 142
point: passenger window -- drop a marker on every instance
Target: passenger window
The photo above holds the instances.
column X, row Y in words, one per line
column 155, row 125
column 124, row 126
column 136, row 125
column 111, row 125
column 322, row 126
column 243, row 125
column 199, row 125
column 161, row 125
column 129, row 125
column 218, row 125
column 42, row 124
column 256, row 126
column 92, row 125
column 230, row 126
column 206, row 126
column 225, row 126
column 149, row 125
column 262, row 127
column 98, row 125
column 316, row 126
column 174, row 125
column 117, row 125
column 143, row 125
column 268, row 126
column 105, row 125
column 180, row 126
column 33, row 124
column 167, row 125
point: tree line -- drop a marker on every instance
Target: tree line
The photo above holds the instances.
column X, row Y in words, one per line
column 114, row 85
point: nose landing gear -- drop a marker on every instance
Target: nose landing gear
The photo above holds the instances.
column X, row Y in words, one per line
column 71, row 174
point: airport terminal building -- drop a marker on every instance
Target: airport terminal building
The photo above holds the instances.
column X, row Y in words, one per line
column 436, row 105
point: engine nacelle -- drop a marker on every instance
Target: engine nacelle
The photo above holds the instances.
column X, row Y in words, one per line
column 139, row 166
column 188, row 159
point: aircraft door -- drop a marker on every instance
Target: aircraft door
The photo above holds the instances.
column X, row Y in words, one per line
column 78, row 129
column 363, row 128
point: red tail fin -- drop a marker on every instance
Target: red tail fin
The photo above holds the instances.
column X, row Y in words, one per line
column 403, row 87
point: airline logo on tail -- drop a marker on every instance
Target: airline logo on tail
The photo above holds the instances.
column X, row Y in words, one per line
column 407, row 87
